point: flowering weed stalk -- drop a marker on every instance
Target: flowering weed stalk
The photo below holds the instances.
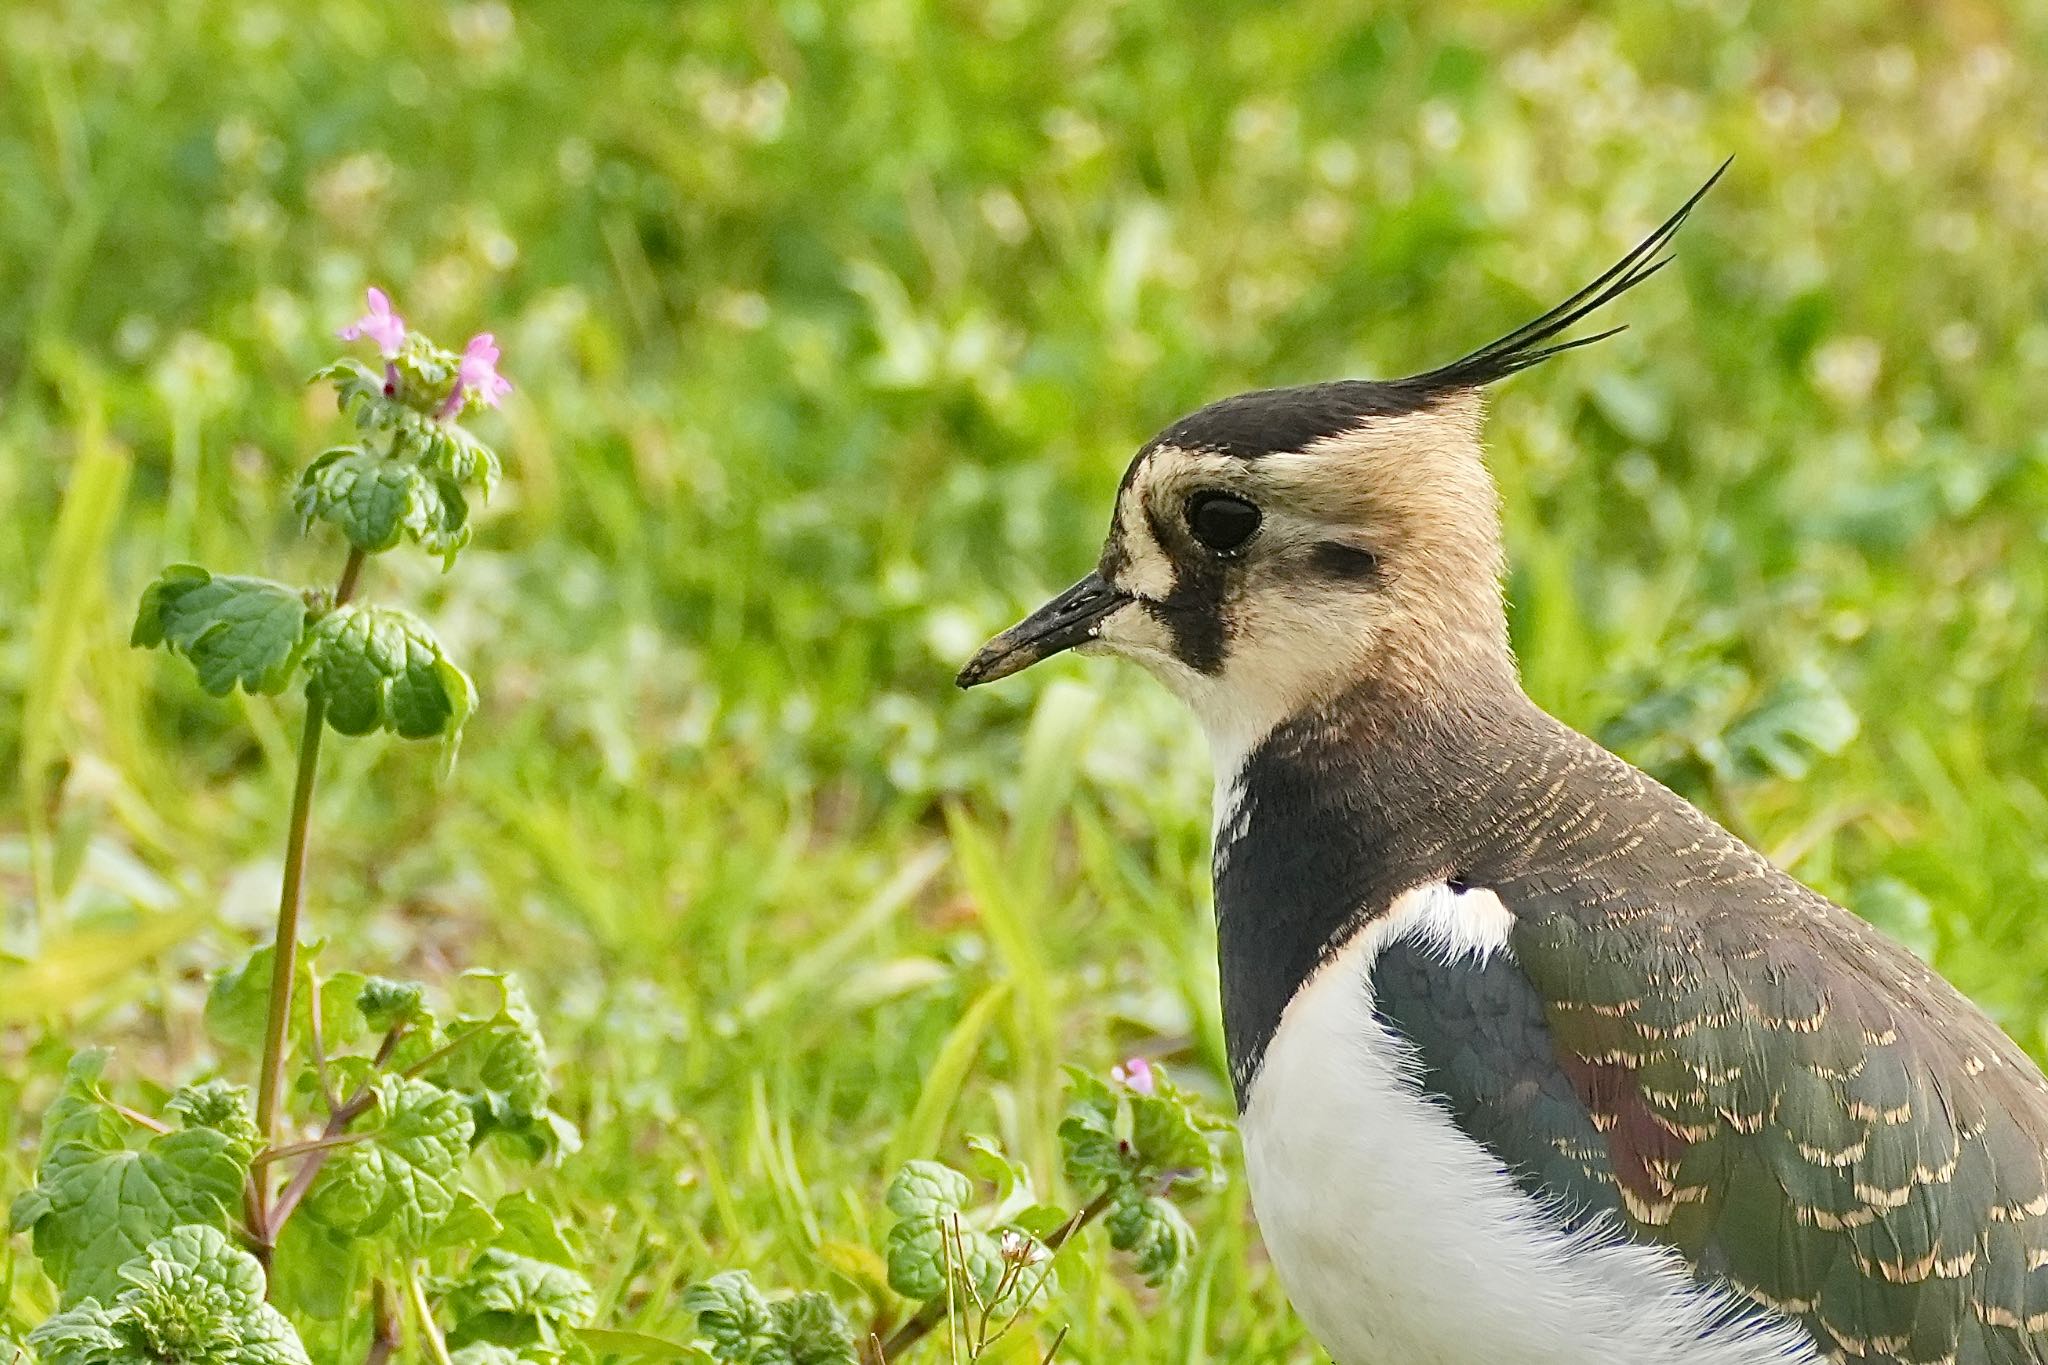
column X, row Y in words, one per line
column 230, row 1228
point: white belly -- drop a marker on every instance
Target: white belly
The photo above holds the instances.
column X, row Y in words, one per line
column 1403, row 1242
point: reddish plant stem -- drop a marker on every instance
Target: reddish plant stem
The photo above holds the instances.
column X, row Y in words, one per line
column 285, row 946
column 388, row 1329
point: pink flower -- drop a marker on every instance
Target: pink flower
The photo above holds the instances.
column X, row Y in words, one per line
column 380, row 325
column 478, row 373
column 1135, row 1074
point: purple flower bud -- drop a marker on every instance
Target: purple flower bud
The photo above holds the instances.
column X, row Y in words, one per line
column 1136, row 1075
column 380, row 325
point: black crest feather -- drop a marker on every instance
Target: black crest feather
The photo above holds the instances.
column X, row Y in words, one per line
column 1268, row 421
column 1526, row 345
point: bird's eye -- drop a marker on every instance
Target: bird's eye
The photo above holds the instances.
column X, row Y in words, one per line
column 1221, row 521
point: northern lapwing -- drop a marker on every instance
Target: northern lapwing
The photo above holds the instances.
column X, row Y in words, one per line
column 1535, row 1061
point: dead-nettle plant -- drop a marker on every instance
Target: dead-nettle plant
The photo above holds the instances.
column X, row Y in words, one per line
column 329, row 1198
column 966, row 1263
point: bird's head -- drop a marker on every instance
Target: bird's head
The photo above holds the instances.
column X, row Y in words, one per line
column 1276, row 548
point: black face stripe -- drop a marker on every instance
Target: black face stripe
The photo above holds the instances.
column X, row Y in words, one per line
column 1351, row 563
column 1192, row 611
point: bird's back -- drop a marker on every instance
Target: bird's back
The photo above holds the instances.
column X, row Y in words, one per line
column 1674, row 1039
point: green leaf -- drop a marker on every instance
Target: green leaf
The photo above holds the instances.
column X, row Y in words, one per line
column 319, row 1271
column 1112, row 1137
column 513, row 1060
column 381, row 668
column 485, row 1353
column 223, row 1107
column 516, row 1300
column 386, row 1004
column 403, row 426
column 1095, row 1155
column 531, row 1230
column 611, row 1341
column 191, row 1297
column 234, row 630
column 504, row 1070
column 745, row 1329
column 1799, row 717
column 80, row 1113
column 468, row 1224
column 927, row 1188
column 237, row 1001
column 1153, row 1230
column 93, row 1210
column 401, row 1183
column 811, row 1331
column 732, row 1313
column 85, row 1334
column 368, row 500
column 922, row 1250
column 375, row 502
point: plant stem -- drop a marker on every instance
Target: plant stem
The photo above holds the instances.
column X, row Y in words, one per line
column 430, row 1331
column 317, row 1153
column 388, row 1328
column 285, row 946
column 936, row 1311
column 318, row 1144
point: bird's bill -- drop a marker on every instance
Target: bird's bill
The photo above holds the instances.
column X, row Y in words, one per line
column 1073, row 618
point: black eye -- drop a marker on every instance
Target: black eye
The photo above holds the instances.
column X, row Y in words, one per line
column 1221, row 521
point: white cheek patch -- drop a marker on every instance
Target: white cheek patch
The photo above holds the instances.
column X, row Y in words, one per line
column 1146, row 571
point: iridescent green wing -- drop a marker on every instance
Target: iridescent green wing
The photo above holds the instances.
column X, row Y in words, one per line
column 1801, row 1108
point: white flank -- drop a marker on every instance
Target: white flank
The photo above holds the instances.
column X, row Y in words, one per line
column 1403, row 1242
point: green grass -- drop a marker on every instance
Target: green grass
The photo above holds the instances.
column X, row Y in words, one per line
column 834, row 326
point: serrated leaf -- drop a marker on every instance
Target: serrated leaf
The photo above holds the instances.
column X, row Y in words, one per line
column 80, row 1113
column 485, row 1353
column 318, row 1271
column 399, row 1184
column 1116, row 1137
column 468, row 1224
column 517, row 1300
column 85, row 1334
column 219, row 1105
column 611, row 1341
column 513, row 1060
column 370, row 501
column 385, row 1004
column 381, row 668
column 237, row 1001
column 1153, row 1230
column 376, row 501
column 921, row 1251
column 504, row 1070
column 732, row 1313
column 92, row 1210
column 190, row 1297
column 530, row 1229
column 812, row 1331
column 246, row 631
column 926, row 1189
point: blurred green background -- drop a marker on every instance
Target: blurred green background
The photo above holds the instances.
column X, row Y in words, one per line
column 833, row 326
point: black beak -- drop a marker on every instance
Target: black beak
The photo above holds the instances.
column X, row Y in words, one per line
column 1073, row 618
